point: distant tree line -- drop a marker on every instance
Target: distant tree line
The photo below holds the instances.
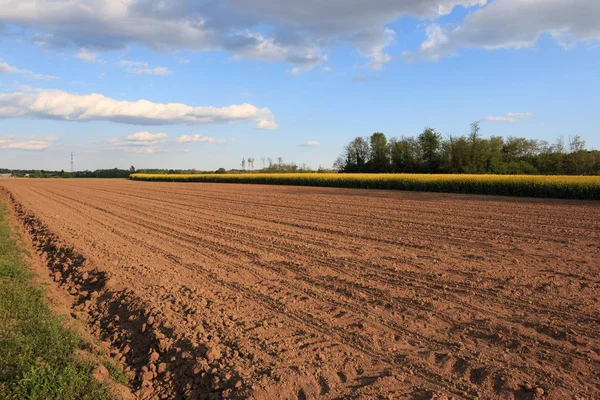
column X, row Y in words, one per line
column 104, row 173
column 99, row 173
column 430, row 153
column 248, row 165
column 271, row 166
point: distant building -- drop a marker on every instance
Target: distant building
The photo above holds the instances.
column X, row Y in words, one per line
column 6, row 175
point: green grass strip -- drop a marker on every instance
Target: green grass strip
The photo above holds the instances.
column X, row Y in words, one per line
column 563, row 187
column 36, row 351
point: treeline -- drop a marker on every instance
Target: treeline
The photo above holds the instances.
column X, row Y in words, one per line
column 99, row 173
column 36, row 173
column 105, row 173
column 431, row 153
column 248, row 165
column 269, row 166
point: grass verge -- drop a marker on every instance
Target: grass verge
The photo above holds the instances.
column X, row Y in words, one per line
column 37, row 353
column 563, row 187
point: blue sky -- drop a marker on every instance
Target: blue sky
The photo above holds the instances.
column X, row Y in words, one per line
column 72, row 75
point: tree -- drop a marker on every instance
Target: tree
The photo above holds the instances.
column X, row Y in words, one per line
column 430, row 142
column 477, row 152
column 263, row 162
column 405, row 154
column 430, row 153
column 576, row 144
column 251, row 162
column 132, row 169
column 355, row 156
column 473, row 138
column 243, row 163
column 380, row 153
column 494, row 160
column 456, row 154
column 577, row 162
column 517, row 149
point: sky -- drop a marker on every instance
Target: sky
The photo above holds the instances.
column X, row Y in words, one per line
column 203, row 84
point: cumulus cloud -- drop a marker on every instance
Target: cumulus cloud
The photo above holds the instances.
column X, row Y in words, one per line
column 60, row 105
column 195, row 139
column 34, row 143
column 310, row 143
column 510, row 117
column 300, row 33
column 5, row 68
column 515, row 24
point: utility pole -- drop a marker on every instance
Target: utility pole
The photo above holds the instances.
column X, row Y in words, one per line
column 72, row 170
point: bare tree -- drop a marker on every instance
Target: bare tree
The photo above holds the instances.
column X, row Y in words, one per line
column 243, row 163
column 251, row 162
column 263, row 162
column 576, row 144
column 270, row 162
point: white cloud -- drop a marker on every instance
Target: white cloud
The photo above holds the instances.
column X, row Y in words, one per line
column 515, row 24
column 510, row 117
column 327, row 69
column 32, row 143
column 376, row 53
column 146, row 138
column 267, row 124
column 195, row 139
column 59, row 105
column 87, row 56
column 300, row 33
column 434, row 47
column 310, row 143
column 9, row 69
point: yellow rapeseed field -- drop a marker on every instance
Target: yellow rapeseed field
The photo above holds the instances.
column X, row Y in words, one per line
column 576, row 187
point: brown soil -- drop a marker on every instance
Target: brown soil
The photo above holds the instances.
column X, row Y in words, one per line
column 222, row 290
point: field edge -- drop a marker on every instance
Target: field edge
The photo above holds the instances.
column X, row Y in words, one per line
column 43, row 353
column 560, row 187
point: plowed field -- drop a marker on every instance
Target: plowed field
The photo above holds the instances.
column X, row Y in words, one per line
column 225, row 290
